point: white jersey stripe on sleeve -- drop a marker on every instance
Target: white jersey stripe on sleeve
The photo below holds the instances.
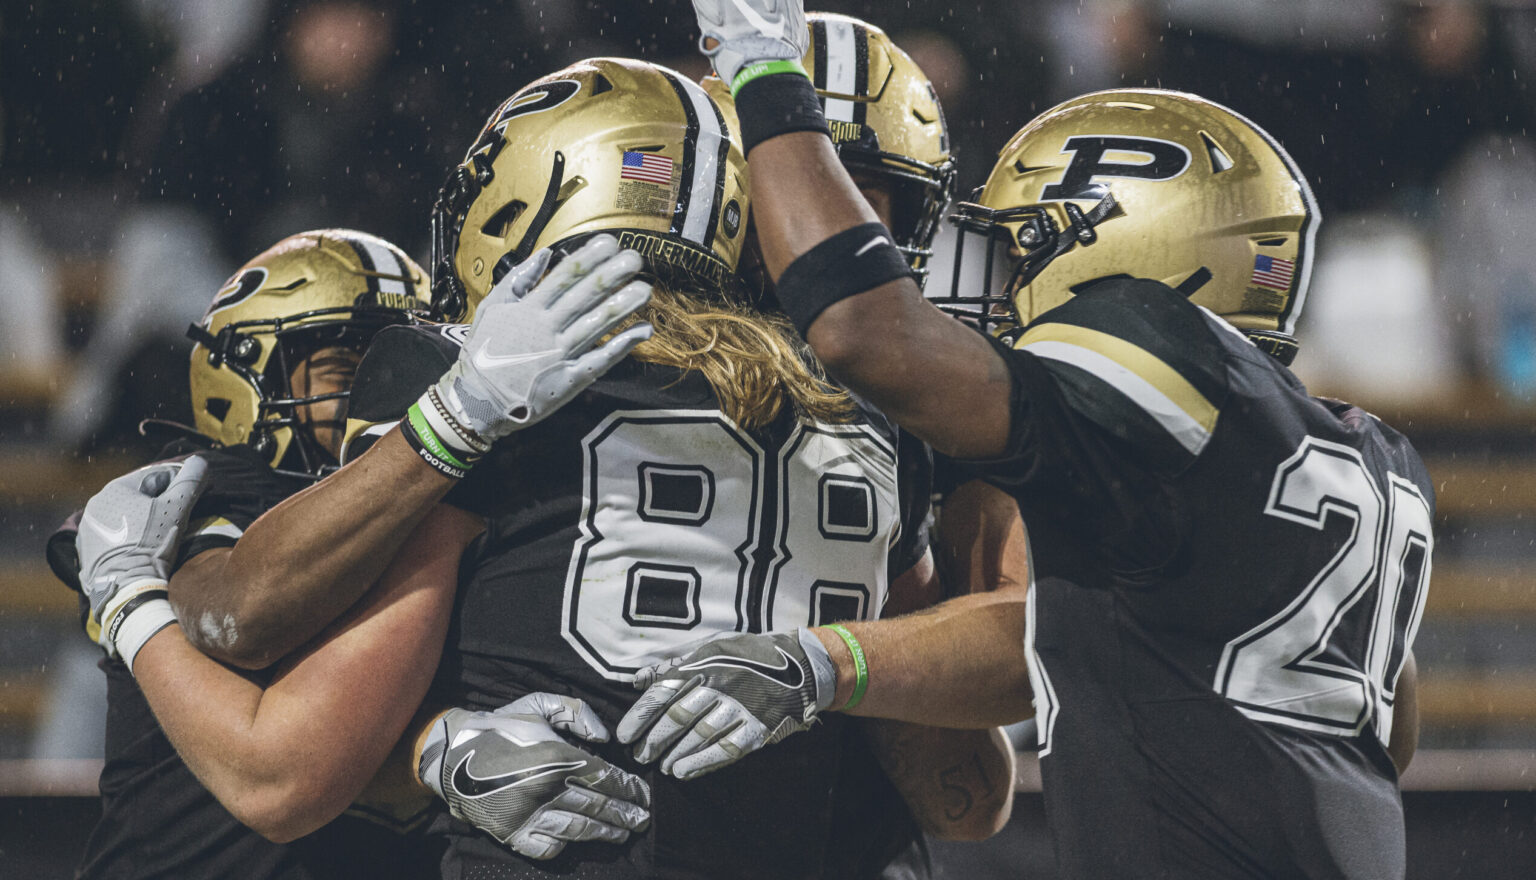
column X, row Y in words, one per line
column 1181, row 425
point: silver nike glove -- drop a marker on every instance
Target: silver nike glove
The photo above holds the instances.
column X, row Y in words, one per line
column 527, row 352
column 127, row 542
column 726, row 698
column 748, row 31
column 510, row 774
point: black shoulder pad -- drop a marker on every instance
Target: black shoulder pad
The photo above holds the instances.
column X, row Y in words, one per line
column 399, row 365
column 63, row 558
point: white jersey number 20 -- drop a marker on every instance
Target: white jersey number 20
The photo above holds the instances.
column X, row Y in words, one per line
column 1278, row 672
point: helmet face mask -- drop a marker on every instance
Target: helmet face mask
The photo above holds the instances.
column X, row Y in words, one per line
column 309, row 292
column 1150, row 184
column 886, row 124
column 1024, row 240
column 605, row 145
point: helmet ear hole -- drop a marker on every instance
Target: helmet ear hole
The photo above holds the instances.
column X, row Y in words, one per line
column 500, row 223
column 218, row 407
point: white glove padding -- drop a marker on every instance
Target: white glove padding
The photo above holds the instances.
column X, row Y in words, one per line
column 527, row 351
column 748, row 31
column 510, row 774
column 128, row 537
column 727, row 698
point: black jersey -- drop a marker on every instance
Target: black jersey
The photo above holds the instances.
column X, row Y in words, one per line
column 1229, row 575
column 157, row 820
column 632, row 522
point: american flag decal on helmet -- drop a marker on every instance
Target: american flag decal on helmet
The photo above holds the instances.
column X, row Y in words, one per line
column 647, row 167
column 1273, row 273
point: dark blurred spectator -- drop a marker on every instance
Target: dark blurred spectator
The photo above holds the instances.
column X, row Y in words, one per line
column 68, row 72
column 306, row 134
column 316, row 128
column 68, row 69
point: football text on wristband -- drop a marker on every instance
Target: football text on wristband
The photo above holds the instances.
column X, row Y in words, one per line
column 860, row 665
column 774, row 98
column 847, row 264
column 430, row 443
column 148, row 612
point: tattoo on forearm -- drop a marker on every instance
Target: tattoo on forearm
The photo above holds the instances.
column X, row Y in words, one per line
column 958, row 780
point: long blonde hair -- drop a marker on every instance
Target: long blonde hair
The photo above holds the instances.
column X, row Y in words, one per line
column 754, row 361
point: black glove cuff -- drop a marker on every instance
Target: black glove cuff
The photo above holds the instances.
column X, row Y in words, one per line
column 778, row 104
column 847, row 264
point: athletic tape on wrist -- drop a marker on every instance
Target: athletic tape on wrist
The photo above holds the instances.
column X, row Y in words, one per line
column 143, row 616
column 860, row 665
column 775, row 103
column 462, row 441
column 420, row 437
column 847, row 264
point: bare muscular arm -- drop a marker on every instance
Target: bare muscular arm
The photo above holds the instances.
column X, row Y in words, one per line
column 933, row 376
column 981, row 543
column 307, row 560
column 957, row 783
column 961, row 662
column 290, row 757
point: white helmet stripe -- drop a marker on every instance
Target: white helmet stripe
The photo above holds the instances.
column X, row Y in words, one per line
column 842, row 71
column 382, row 260
column 700, row 185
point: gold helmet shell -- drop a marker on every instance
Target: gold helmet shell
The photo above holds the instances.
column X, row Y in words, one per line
column 886, row 122
column 335, row 286
column 1154, row 184
column 605, row 145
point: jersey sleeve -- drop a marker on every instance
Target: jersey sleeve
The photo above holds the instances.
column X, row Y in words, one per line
column 400, row 364
column 1115, row 392
column 914, row 463
column 243, row 487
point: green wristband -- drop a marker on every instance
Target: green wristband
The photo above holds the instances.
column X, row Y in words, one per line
column 764, row 68
column 429, row 439
column 860, row 666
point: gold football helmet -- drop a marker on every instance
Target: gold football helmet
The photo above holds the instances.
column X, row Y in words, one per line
column 1154, row 184
column 886, row 122
column 605, row 145
column 327, row 287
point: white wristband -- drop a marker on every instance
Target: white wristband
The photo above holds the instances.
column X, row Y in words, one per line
column 450, row 429
column 137, row 625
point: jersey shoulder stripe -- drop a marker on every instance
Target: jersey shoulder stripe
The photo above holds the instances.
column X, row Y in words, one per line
column 1139, row 360
column 1146, row 382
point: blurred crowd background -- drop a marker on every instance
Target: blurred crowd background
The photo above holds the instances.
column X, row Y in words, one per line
column 148, row 147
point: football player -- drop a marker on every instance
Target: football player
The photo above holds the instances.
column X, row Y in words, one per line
column 652, row 512
column 890, row 133
column 1229, row 572
column 270, row 375
column 712, row 483
column 286, row 749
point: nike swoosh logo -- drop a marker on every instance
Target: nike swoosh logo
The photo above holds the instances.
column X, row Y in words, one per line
column 769, row 28
column 473, row 786
column 872, row 242
column 485, row 360
column 787, row 673
column 115, row 536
